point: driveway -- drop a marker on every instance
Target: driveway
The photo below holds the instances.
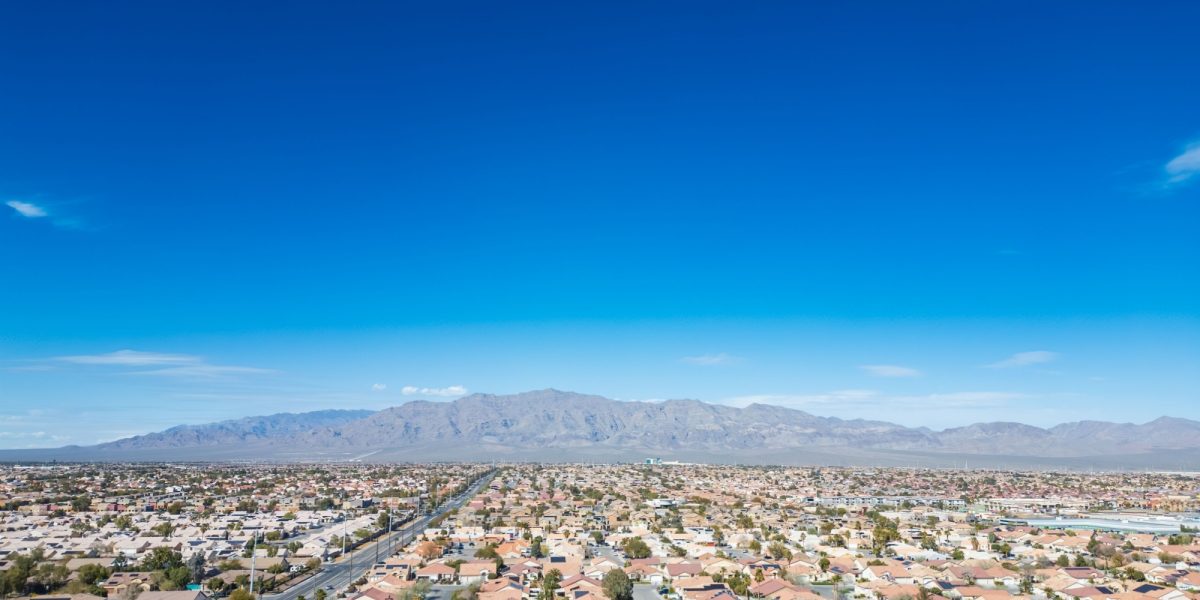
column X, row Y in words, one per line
column 645, row 591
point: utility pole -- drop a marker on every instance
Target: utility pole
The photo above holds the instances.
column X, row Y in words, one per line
column 253, row 555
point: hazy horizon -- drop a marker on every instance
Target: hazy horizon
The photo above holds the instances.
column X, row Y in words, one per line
column 831, row 410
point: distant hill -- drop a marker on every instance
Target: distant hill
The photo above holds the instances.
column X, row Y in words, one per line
column 282, row 426
column 553, row 425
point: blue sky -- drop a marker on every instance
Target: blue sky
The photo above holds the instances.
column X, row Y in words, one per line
column 936, row 213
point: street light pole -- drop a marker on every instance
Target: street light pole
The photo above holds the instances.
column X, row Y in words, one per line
column 253, row 555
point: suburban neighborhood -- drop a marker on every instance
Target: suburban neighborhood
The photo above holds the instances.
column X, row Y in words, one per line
column 654, row 531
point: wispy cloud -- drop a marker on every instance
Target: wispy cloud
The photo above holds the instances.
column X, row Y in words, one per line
column 1023, row 359
column 1185, row 166
column 711, row 360
column 798, row 400
column 165, row 365
column 28, row 210
column 378, row 387
column 30, row 435
column 204, row 371
column 24, row 416
column 446, row 392
column 130, row 358
column 31, row 439
column 52, row 213
column 890, row 371
column 865, row 398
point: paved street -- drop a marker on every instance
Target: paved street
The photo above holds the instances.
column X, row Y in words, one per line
column 336, row 575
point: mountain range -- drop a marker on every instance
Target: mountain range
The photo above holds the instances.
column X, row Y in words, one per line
column 552, row 425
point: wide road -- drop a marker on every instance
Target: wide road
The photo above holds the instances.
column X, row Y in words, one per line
column 339, row 573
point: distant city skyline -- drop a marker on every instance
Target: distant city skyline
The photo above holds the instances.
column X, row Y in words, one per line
column 928, row 214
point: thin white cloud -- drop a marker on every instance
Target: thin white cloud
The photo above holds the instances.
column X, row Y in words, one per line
column 165, row 365
column 1185, row 166
column 30, row 435
column 446, row 392
column 711, row 360
column 28, row 210
column 131, row 358
column 1024, row 359
column 890, row 371
column 378, row 387
column 51, row 213
column 204, row 371
column 861, row 399
column 796, row 400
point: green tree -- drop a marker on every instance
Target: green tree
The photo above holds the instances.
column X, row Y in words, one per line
column 162, row 559
column 739, row 582
column 1026, row 586
column 179, row 577
column 635, row 547
column 550, row 583
column 51, row 576
column 617, row 586
column 92, row 573
column 15, row 579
